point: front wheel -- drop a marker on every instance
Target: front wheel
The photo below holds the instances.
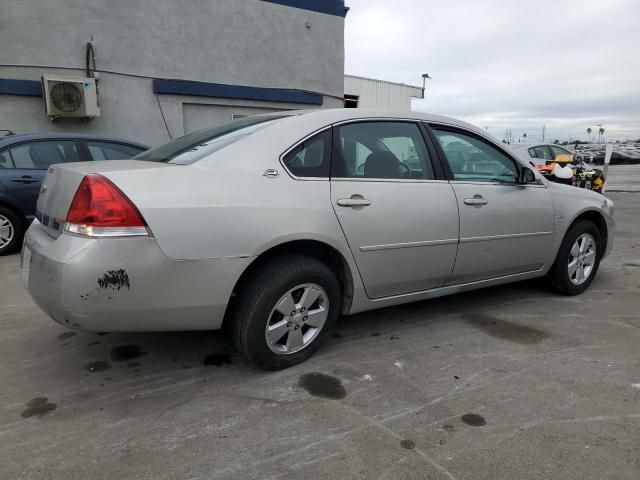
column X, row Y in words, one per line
column 285, row 312
column 578, row 259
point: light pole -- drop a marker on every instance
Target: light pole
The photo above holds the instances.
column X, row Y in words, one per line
column 424, row 83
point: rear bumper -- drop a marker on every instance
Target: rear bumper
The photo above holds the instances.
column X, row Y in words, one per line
column 124, row 284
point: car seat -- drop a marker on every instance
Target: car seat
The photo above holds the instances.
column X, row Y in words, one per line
column 382, row 165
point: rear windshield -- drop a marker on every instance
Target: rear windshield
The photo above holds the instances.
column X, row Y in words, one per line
column 197, row 145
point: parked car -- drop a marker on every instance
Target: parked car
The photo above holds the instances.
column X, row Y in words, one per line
column 24, row 160
column 275, row 225
column 543, row 153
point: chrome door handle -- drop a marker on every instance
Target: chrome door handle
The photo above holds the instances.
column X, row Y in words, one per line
column 475, row 201
column 353, row 202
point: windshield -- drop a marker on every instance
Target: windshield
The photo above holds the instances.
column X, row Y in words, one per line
column 194, row 146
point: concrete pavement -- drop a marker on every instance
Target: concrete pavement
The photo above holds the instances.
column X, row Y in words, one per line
column 506, row 383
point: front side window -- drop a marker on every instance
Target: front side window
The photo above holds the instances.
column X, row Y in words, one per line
column 39, row 155
column 473, row 159
column 382, row 150
column 112, row 151
column 311, row 159
column 561, row 154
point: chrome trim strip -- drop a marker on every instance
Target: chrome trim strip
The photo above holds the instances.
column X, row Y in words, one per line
column 536, row 184
column 105, row 232
column 453, row 288
column 504, row 237
column 393, row 246
column 386, row 180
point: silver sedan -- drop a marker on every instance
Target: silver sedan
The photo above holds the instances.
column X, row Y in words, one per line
column 278, row 224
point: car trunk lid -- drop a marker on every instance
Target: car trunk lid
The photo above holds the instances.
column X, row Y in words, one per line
column 62, row 181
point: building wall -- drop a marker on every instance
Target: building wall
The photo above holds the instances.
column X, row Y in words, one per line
column 380, row 94
column 237, row 42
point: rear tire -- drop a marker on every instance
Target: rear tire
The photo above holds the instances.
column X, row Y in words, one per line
column 266, row 331
column 11, row 231
column 578, row 259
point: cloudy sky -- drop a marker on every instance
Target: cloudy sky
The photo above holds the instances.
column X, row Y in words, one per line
column 569, row 64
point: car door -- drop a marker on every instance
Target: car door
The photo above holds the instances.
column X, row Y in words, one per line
column 505, row 228
column 398, row 212
column 29, row 164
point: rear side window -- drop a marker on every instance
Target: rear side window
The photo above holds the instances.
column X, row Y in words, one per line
column 112, row 151
column 197, row 145
column 382, row 150
column 473, row 159
column 39, row 155
column 311, row 159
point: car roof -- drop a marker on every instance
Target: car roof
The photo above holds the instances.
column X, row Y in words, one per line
column 344, row 114
column 328, row 116
column 26, row 137
column 529, row 145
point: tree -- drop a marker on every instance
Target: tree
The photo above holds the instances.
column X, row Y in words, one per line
column 524, row 135
column 601, row 134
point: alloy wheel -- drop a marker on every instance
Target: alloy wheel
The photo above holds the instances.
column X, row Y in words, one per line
column 7, row 231
column 582, row 259
column 297, row 319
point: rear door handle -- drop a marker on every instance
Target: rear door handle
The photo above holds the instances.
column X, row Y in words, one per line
column 477, row 200
column 353, row 202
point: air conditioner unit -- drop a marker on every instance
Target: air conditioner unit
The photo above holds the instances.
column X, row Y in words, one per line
column 74, row 97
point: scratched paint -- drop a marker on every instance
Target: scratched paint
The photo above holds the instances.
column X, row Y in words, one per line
column 115, row 279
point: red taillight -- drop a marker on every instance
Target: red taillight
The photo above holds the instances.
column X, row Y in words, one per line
column 99, row 208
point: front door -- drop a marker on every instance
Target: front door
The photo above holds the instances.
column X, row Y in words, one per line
column 505, row 228
column 400, row 220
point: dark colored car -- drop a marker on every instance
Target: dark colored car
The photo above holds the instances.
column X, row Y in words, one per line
column 24, row 160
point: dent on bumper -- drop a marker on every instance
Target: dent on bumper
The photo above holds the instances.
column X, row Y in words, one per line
column 125, row 284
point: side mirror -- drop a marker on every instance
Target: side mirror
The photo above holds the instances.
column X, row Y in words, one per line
column 526, row 176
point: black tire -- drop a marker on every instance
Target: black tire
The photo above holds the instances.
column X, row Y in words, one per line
column 16, row 226
column 258, row 297
column 559, row 273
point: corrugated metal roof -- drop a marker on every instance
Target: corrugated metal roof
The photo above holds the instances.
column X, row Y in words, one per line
column 374, row 93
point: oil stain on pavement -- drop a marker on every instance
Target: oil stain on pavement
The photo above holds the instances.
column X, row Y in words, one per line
column 125, row 353
column 506, row 330
column 38, row 407
column 408, row 444
column 473, row 420
column 217, row 359
column 323, row 386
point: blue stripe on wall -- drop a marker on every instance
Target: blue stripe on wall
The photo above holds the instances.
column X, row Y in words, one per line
column 29, row 88
column 218, row 90
column 331, row 7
